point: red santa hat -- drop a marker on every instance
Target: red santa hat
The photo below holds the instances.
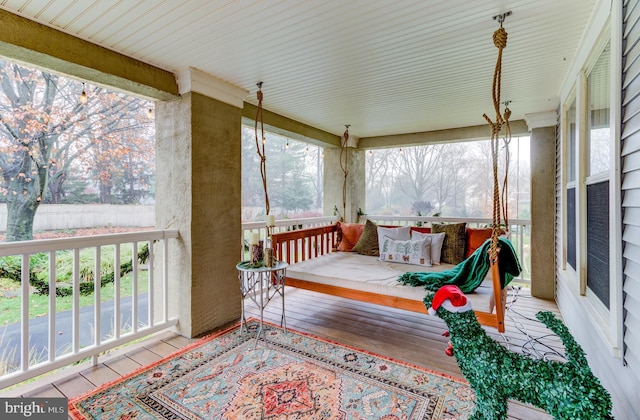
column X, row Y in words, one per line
column 450, row 298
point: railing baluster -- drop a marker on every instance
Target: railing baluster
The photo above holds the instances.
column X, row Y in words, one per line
column 24, row 317
column 165, row 280
column 52, row 306
column 150, row 293
column 76, row 301
column 134, row 286
column 117, row 320
column 97, row 277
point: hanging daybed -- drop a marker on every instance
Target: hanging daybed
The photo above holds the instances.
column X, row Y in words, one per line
column 316, row 265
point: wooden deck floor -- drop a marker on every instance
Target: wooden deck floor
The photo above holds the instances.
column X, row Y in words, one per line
column 408, row 336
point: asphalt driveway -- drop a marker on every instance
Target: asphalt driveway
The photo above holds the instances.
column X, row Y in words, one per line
column 39, row 329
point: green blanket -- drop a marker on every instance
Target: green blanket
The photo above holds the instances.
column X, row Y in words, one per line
column 470, row 273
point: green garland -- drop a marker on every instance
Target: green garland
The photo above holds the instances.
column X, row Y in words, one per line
column 86, row 287
column 566, row 390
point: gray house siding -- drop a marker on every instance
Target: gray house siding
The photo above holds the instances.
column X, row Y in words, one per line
column 630, row 164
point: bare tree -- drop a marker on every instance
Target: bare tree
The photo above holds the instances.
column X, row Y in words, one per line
column 379, row 179
column 44, row 131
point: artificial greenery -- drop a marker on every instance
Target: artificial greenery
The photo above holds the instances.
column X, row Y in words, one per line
column 566, row 390
column 10, row 267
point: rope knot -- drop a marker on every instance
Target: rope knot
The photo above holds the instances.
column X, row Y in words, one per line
column 495, row 129
column 259, row 94
column 507, row 114
column 500, row 38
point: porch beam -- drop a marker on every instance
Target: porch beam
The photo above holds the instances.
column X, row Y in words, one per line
column 30, row 42
column 285, row 126
column 449, row 135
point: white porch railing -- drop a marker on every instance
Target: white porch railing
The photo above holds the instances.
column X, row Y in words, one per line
column 87, row 319
column 520, row 231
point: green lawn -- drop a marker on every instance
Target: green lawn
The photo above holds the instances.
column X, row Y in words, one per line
column 39, row 304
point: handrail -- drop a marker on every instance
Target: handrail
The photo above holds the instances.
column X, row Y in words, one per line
column 45, row 245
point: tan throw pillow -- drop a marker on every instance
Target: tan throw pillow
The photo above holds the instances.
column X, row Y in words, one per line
column 368, row 242
column 455, row 241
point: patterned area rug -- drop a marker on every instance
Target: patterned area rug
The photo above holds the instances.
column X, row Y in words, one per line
column 282, row 375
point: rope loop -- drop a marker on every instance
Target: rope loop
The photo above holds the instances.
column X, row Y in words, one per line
column 500, row 38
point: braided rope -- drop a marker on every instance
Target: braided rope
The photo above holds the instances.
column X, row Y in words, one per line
column 500, row 41
column 505, row 183
column 344, row 164
column 260, row 147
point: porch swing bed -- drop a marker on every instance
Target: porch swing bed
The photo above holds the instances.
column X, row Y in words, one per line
column 484, row 275
column 317, row 265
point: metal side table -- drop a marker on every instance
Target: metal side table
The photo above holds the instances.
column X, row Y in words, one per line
column 261, row 284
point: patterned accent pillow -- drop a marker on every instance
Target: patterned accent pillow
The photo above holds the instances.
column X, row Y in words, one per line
column 437, row 239
column 417, row 252
column 455, row 241
column 368, row 242
column 402, row 233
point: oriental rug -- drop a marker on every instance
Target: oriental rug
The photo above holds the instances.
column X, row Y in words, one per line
column 281, row 375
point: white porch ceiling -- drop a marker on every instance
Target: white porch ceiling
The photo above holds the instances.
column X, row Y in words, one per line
column 385, row 67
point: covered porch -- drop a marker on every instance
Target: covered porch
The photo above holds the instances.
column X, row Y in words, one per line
column 198, row 120
column 403, row 335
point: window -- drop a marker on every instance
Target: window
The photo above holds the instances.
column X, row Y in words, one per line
column 571, row 142
column 572, row 165
column 450, row 180
column 597, row 180
column 294, row 177
column 598, row 97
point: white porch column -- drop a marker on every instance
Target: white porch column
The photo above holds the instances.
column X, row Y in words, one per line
column 334, row 181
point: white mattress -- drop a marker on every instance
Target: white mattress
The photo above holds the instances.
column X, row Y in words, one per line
column 359, row 272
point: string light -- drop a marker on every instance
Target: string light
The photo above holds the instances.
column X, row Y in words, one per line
column 150, row 113
column 286, row 146
column 83, row 96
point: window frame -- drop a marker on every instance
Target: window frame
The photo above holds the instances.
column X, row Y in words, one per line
column 608, row 323
column 569, row 106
